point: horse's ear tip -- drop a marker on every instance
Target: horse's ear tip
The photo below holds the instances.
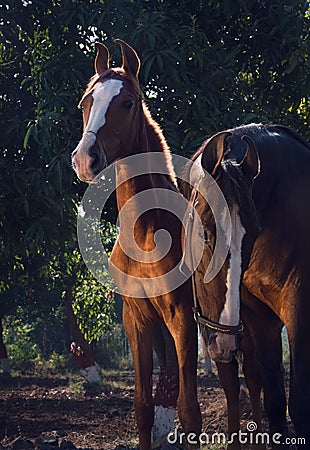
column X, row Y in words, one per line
column 227, row 133
column 247, row 139
column 99, row 45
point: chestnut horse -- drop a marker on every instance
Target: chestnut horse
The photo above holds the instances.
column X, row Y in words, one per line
column 272, row 277
column 118, row 127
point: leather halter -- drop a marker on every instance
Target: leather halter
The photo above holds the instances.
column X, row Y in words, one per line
column 92, row 132
column 203, row 321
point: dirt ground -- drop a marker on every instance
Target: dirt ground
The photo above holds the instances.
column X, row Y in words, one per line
column 59, row 406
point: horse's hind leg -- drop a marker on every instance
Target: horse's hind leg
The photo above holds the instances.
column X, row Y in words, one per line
column 299, row 399
column 140, row 342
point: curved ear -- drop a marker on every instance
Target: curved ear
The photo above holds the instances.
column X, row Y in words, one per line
column 213, row 152
column 250, row 165
column 102, row 58
column 131, row 61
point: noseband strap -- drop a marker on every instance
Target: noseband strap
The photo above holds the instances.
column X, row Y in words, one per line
column 92, row 132
column 216, row 326
column 203, row 321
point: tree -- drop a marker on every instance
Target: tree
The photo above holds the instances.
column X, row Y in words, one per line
column 39, row 192
column 206, row 65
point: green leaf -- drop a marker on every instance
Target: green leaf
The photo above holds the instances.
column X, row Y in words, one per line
column 27, row 135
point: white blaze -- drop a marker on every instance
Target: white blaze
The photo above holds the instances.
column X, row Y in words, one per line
column 231, row 312
column 102, row 97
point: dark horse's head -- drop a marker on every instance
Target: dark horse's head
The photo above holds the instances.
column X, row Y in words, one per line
column 224, row 204
column 109, row 105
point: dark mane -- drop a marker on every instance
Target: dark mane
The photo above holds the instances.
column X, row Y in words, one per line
column 233, row 184
column 236, row 188
column 291, row 133
column 261, row 134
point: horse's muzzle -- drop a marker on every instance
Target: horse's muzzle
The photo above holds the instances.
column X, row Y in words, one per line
column 81, row 165
column 221, row 348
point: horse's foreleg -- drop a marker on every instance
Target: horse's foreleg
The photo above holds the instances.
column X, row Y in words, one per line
column 184, row 331
column 228, row 374
column 253, row 381
column 167, row 388
column 140, row 341
column 265, row 329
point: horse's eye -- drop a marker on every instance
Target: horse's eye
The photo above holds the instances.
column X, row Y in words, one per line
column 206, row 236
column 128, row 104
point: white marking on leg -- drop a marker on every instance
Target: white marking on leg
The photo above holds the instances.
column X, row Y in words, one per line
column 163, row 421
column 231, row 311
column 91, row 374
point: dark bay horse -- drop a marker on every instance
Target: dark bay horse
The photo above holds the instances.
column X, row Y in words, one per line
column 272, row 279
column 217, row 302
column 118, row 127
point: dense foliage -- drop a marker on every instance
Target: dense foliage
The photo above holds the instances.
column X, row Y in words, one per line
column 206, row 65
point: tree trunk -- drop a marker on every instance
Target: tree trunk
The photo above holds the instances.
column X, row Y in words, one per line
column 82, row 352
column 4, row 360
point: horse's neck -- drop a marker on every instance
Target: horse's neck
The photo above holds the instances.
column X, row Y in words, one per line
column 147, row 169
column 140, row 191
column 141, row 215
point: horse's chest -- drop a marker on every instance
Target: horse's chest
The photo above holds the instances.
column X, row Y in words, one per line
column 142, row 277
column 144, row 259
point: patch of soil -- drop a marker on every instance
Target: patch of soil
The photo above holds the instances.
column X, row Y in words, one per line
column 57, row 406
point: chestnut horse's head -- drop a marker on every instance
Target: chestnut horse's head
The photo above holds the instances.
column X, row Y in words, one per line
column 109, row 105
column 219, row 298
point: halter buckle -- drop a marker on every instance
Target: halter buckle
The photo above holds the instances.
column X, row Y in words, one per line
column 197, row 313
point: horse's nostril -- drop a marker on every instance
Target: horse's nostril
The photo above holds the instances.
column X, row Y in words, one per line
column 93, row 151
column 95, row 167
column 95, row 154
column 74, row 159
